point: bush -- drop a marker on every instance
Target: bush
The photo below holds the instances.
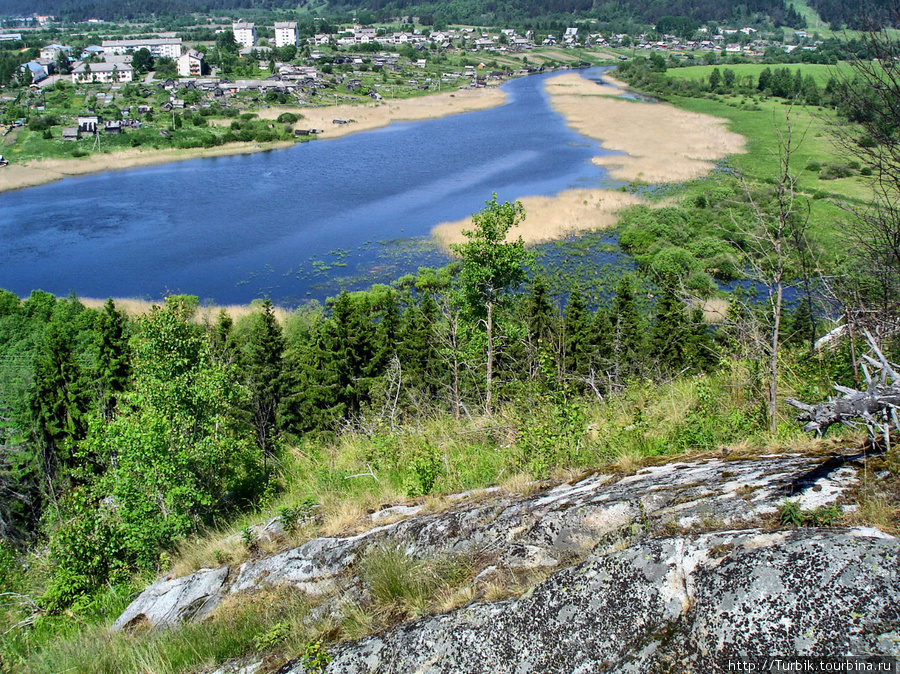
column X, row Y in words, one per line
column 287, row 118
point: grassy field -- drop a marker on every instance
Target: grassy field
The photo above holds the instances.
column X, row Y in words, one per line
column 820, row 73
column 763, row 123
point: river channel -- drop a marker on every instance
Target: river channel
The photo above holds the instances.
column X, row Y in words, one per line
column 293, row 224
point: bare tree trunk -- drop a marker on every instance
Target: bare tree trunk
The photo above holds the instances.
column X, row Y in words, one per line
column 489, row 379
column 773, row 357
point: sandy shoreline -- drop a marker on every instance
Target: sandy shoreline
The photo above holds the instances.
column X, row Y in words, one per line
column 548, row 218
column 366, row 117
column 659, row 142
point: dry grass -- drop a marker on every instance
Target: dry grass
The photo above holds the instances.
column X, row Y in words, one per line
column 627, row 461
column 370, row 115
column 548, row 218
column 134, row 307
column 715, row 309
column 520, row 483
column 662, row 143
column 45, row 171
column 212, row 550
column 877, row 509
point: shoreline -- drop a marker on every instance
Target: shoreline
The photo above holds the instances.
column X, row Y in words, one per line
column 366, row 117
column 650, row 139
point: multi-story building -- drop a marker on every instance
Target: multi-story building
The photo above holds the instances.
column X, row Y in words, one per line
column 102, row 72
column 164, row 46
column 190, row 63
column 244, row 33
column 286, row 33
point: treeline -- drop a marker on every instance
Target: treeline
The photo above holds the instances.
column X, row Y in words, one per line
column 649, row 75
column 481, row 12
column 854, row 15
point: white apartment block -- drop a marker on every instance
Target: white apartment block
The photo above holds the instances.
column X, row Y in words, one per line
column 190, row 63
column 286, row 33
column 244, row 33
column 102, row 72
column 164, row 46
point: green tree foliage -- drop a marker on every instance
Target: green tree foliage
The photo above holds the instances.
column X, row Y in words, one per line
column 142, row 60
column 629, row 332
column 176, row 450
column 579, row 347
column 492, row 266
column 262, row 361
column 113, row 358
column 59, row 402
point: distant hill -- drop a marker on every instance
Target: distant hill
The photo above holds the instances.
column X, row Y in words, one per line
column 778, row 12
column 837, row 13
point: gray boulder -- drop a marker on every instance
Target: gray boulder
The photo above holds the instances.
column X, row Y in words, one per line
column 169, row 602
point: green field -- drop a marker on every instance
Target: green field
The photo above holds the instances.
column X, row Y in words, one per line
column 821, row 73
column 765, row 122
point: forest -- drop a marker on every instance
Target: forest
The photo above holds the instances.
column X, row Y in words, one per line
column 479, row 12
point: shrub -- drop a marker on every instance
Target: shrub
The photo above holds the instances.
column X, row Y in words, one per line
column 287, row 118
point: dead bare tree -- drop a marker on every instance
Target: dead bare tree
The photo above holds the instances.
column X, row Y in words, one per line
column 868, row 97
column 770, row 239
column 876, row 407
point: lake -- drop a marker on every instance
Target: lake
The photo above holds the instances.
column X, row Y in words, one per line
column 292, row 224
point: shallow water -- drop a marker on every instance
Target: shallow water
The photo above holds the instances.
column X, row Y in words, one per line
column 292, row 224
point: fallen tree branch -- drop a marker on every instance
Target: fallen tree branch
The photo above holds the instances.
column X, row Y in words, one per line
column 876, row 406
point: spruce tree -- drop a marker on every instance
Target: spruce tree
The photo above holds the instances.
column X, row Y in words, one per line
column 628, row 331
column 578, row 342
column 670, row 333
column 113, row 366
column 539, row 312
column 59, row 403
column 262, row 361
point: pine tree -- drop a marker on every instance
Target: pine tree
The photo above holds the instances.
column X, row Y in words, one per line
column 628, row 331
column 417, row 347
column 670, row 334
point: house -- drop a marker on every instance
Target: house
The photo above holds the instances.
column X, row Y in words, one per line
column 113, row 127
column 244, row 33
column 190, row 63
column 38, row 71
column 50, row 52
column 286, row 33
column 70, row 134
column 88, row 123
column 570, row 36
column 102, row 72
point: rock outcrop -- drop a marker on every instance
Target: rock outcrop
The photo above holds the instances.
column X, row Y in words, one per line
column 553, row 528
column 682, row 604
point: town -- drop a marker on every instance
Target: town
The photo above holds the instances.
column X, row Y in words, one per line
column 165, row 90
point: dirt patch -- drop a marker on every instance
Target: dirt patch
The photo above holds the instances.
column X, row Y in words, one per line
column 375, row 115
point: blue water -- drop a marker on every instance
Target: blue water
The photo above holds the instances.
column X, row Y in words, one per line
column 293, row 224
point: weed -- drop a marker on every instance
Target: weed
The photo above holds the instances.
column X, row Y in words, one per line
column 790, row 514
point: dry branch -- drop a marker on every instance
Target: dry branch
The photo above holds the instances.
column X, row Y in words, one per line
column 876, row 407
